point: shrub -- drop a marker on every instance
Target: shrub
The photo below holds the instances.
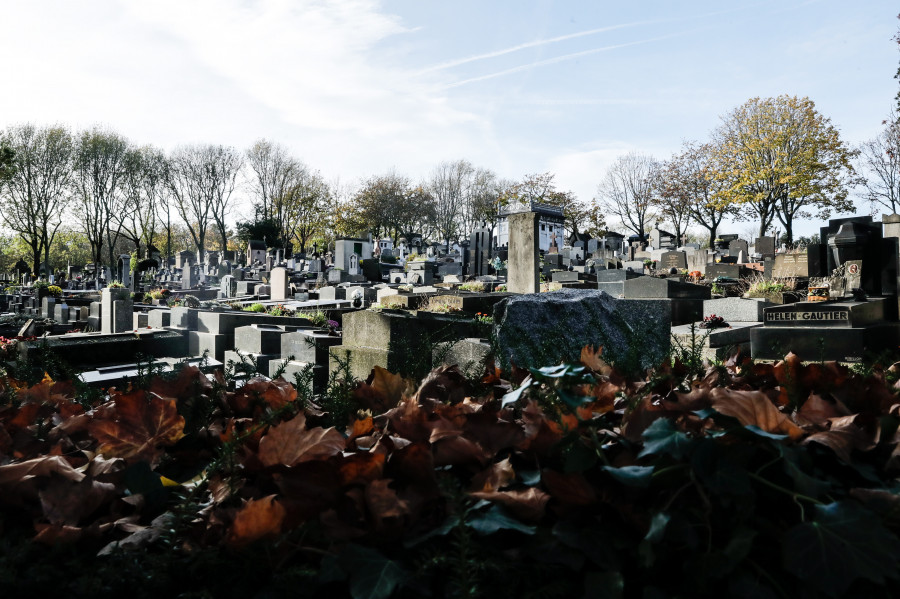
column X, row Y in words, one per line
column 476, row 286
column 55, row 291
column 257, row 307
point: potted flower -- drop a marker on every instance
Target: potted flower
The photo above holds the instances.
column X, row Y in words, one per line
column 41, row 289
column 332, row 326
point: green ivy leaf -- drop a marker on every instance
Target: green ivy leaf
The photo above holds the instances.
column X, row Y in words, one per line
column 662, row 437
column 372, row 575
column 804, row 483
column 843, row 543
column 632, row 476
column 657, row 527
column 514, row 396
column 494, row 519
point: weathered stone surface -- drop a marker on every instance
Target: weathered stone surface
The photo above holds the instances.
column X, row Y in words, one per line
column 523, row 253
column 736, row 309
column 539, row 330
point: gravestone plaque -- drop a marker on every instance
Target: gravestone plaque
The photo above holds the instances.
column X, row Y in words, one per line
column 794, row 264
column 729, row 271
column 675, row 259
column 765, row 246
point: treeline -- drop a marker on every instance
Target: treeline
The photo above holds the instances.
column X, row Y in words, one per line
column 770, row 159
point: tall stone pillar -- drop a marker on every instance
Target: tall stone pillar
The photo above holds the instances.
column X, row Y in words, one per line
column 523, row 274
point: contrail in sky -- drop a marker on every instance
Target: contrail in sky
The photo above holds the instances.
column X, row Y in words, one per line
column 511, row 49
column 569, row 36
column 556, row 59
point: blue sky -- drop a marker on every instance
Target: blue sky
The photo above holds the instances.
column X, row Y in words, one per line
column 357, row 87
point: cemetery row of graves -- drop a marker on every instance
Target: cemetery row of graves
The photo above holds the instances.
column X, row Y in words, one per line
column 397, row 428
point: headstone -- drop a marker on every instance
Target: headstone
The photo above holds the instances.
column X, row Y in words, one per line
column 765, row 246
column 728, row 271
column 737, row 246
column 27, row 329
column 279, row 283
column 115, row 310
column 370, row 268
column 553, row 327
column 188, row 277
column 674, row 259
column 795, row 264
column 524, row 264
column 227, row 286
column 479, row 252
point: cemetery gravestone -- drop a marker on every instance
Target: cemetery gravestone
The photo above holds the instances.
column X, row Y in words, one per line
column 523, row 253
column 279, row 281
column 791, row 265
column 674, row 259
column 115, row 310
column 737, row 246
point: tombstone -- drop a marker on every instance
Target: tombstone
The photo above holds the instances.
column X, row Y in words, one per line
column 28, row 329
column 723, row 270
column 791, row 265
column 227, row 286
column 673, row 259
column 116, row 310
column 371, row 270
column 188, row 277
column 524, row 263
column 765, row 246
column 123, row 270
column 419, row 273
column 182, row 258
column 737, row 246
column 479, row 252
column 279, row 283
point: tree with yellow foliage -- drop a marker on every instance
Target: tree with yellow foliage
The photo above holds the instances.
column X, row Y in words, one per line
column 782, row 158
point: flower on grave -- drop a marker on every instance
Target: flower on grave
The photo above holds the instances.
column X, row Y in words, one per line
column 332, row 325
column 713, row 322
column 483, row 318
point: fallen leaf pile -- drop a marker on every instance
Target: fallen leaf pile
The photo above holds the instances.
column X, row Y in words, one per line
column 750, row 480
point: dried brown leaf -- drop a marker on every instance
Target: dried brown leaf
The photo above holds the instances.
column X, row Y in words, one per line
column 138, row 427
column 257, row 519
column 290, row 443
column 753, row 408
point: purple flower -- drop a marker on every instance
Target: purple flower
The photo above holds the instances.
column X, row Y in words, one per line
column 332, row 324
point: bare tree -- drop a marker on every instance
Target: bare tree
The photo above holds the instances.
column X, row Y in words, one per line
column 99, row 166
column 223, row 166
column 273, row 173
column 37, row 191
column 145, row 195
column 626, row 191
column 481, row 203
column 450, row 185
column 201, row 180
column 880, row 159
column 303, row 207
